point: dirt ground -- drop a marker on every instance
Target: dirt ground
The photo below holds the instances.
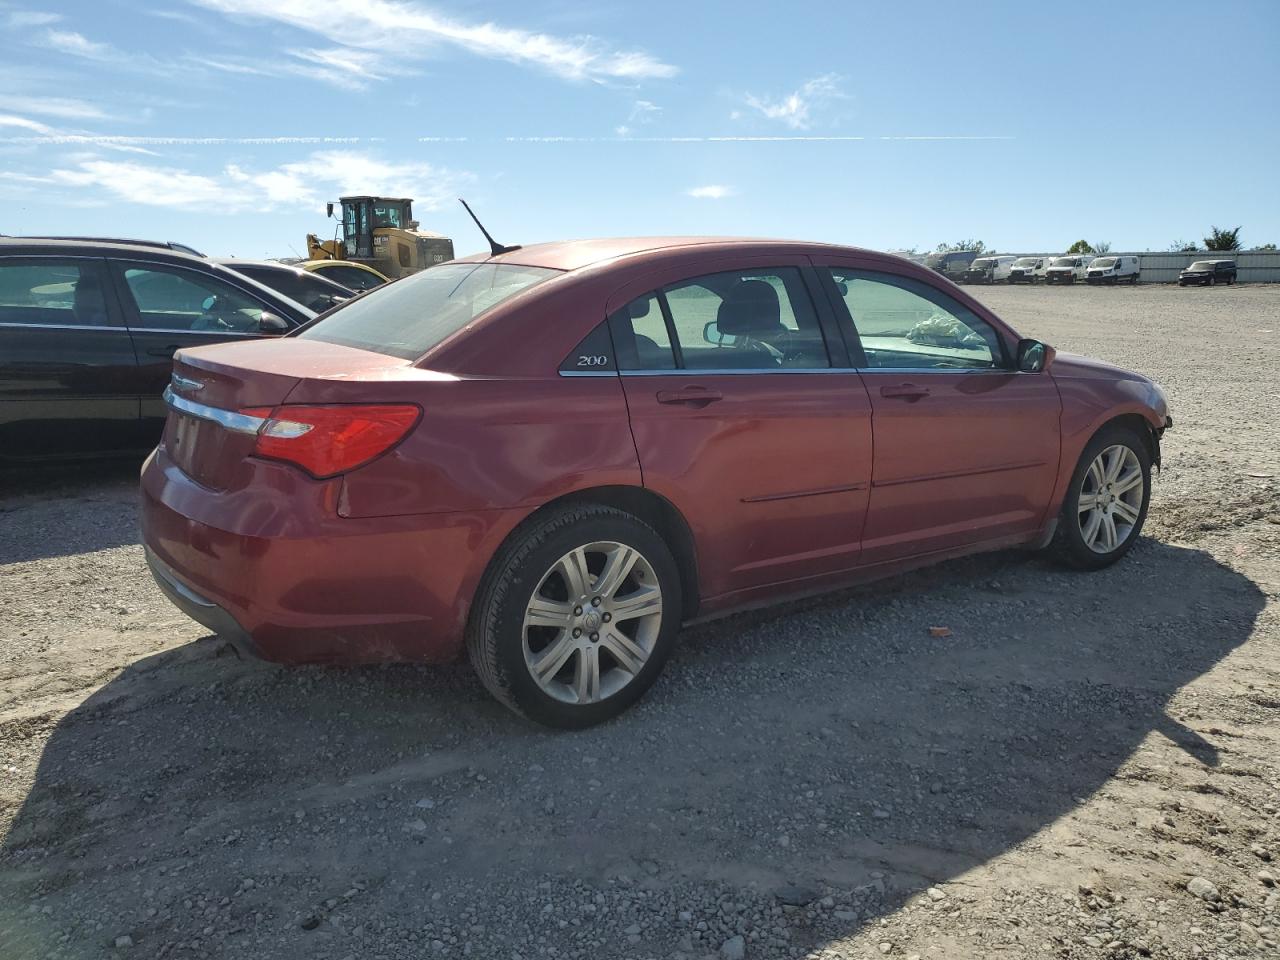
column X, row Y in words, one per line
column 1088, row 766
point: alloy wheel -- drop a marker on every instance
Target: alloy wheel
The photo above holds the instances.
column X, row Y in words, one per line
column 1111, row 499
column 592, row 623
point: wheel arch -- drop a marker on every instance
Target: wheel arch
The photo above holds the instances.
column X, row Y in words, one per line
column 652, row 508
column 1140, row 425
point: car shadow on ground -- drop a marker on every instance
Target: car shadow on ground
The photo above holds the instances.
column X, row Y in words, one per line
column 42, row 514
column 832, row 748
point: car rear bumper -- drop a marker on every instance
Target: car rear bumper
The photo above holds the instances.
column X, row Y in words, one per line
column 274, row 565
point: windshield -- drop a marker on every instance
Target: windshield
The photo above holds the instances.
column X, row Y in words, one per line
column 1026, row 261
column 982, row 264
column 1063, row 262
column 1104, row 263
column 409, row 317
column 1201, row 266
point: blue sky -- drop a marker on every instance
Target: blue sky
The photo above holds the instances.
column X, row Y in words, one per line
column 228, row 123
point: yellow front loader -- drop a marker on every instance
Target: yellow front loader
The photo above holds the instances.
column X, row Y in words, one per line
column 381, row 232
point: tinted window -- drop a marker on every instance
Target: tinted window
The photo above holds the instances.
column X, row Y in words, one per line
column 739, row 320
column 48, row 292
column 409, row 317
column 642, row 337
column 313, row 293
column 169, row 298
column 903, row 323
column 352, row 277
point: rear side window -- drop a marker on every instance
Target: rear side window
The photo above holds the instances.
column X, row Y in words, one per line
column 49, row 292
column 737, row 320
column 407, row 318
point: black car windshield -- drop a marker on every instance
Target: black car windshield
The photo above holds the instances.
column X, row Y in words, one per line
column 1200, row 266
column 314, row 293
column 409, row 317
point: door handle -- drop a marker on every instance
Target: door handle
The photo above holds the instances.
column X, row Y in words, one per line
column 694, row 396
column 904, row 391
column 168, row 351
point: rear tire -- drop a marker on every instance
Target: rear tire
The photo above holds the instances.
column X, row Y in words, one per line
column 1106, row 502
column 560, row 639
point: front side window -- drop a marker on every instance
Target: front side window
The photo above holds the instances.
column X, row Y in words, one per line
column 906, row 324
column 49, row 293
column 171, row 298
column 737, row 320
column 407, row 318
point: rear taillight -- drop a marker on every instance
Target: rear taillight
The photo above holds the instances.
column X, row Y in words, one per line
column 328, row 440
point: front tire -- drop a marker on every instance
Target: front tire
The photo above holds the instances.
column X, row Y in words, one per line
column 1106, row 502
column 576, row 616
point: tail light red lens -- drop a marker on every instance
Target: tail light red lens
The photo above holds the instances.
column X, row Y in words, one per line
column 328, row 440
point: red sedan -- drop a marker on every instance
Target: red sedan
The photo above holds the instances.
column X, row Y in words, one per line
column 556, row 456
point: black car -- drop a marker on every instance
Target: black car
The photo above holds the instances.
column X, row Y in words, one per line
column 87, row 335
column 163, row 244
column 311, row 290
column 1208, row 272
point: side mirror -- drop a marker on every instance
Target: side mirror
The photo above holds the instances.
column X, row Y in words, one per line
column 271, row 325
column 1033, row 356
column 711, row 333
column 328, row 209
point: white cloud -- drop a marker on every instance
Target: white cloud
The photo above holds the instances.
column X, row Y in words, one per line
column 77, row 45
column 308, row 183
column 642, row 112
column 387, row 30
column 712, row 191
column 31, row 18
column 62, row 107
column 22, row 123
column 795, row 109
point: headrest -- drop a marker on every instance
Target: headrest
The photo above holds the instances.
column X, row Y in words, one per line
column 750, row 308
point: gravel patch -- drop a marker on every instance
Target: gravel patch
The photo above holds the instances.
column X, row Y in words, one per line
column 1078, row 766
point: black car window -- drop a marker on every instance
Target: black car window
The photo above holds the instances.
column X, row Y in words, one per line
column 312, row 292
column 352, row 277
column 52, row 292
column 173, row 298
column 737, row 320
column 903, row 323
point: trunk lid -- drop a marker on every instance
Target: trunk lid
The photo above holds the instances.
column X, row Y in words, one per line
column 210, row 438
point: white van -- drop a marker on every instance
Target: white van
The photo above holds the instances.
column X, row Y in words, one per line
column 1067, row 269
column 1112, row 270
column 1028, row 269
column 988, row 270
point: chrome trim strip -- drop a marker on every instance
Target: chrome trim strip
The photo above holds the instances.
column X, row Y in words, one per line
column 588, row 373
column 61, row 326
column 200, row 333
column 229, row 419
column 185, row 383
column 688, row 372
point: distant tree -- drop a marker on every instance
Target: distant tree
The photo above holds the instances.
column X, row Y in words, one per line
column 1102, row 246
column 1267, row 246
column 1222, row 239
column 1182, row 246
column 977, row 246
column 1080, row 246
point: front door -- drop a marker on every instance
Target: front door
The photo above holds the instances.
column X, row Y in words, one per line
column 167, row 307
column 740, row 417
column 66, row 361
column 966, row 447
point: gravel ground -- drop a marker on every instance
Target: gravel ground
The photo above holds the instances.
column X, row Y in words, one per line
column 1088, row 766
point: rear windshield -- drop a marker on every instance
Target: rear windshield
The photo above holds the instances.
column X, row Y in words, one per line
column 410, row 316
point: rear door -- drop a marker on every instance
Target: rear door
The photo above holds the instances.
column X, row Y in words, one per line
column 966, row 447
column 168, row 306
column 66, row 361
column 740, row 417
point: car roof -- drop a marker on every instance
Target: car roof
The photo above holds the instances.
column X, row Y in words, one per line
column 13, row 246
column 128, row 241
column 576, row 254
column 313, row 265
column 234, row 262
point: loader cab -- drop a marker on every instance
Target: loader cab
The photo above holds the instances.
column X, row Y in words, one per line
column 361, row 216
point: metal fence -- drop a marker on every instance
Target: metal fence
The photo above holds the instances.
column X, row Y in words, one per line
column 1252, row 266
